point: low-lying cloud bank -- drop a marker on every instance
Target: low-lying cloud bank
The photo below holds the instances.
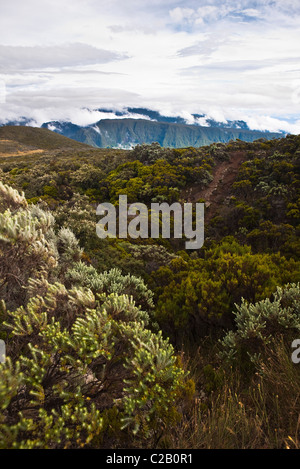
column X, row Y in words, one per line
column 85, row 117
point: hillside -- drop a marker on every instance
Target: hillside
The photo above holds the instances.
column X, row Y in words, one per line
column 142, row 330
column 126, row 133
column 32, row 138
column 34, row 145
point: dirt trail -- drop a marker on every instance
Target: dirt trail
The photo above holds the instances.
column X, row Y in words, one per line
column 21, row 153
column 9, row 148
column 224, row 175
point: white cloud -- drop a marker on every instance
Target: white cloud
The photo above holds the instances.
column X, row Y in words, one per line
column 211, row 11
column 272, row 124
column 251, row 12
column 179, row 14
column 202, row 121
column 60, row 56
column 179, row 56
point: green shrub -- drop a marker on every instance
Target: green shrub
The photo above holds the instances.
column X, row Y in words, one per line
column 76, row 357
column 258, row 325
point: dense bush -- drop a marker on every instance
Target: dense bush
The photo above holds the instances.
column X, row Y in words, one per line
column 196, row 295
column 80, row 315
column 258, row 326
column 83, row 369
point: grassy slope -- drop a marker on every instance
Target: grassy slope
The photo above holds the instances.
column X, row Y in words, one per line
column 38, row 138
column 24, row 145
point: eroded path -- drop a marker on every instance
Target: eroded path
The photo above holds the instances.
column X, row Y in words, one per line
column 224, row 175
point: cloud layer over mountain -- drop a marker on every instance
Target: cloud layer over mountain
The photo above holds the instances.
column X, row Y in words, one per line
column 236, row 59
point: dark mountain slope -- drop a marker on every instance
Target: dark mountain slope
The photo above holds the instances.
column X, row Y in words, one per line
column 126, row 133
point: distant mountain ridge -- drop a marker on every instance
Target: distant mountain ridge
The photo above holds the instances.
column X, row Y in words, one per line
column 134, row 126
column 126, row 133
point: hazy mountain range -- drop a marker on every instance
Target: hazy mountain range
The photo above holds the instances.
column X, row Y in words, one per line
column 138, row 125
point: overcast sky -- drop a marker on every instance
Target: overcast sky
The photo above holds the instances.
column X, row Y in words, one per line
column 239, row 59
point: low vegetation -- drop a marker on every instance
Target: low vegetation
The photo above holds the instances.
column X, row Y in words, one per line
column 139, row 343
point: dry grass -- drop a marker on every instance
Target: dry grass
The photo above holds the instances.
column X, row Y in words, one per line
column 262, row 412
column 20, row 153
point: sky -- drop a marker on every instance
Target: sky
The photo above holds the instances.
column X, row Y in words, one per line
column 229, row 60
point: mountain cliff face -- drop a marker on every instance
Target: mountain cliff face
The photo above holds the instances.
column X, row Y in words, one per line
column 134, row 126
column 126, row 133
